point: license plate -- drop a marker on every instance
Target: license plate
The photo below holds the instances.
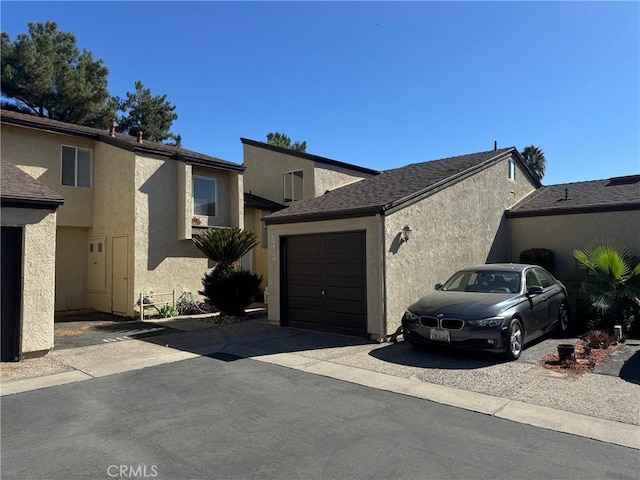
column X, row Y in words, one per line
column 440, row 335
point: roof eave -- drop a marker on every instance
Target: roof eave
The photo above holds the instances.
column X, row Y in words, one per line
column 309, row 156
column 315, row 217
column 30, row 203
column 574, row 210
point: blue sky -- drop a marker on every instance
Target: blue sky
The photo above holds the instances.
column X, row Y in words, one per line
column 379, row 84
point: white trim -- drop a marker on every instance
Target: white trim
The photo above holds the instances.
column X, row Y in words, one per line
column 215, row 195
column 293, row 193
column 512, row 170
column 75, row 167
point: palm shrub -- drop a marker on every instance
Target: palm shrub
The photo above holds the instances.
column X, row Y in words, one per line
column 225, row 246
column 609, row 283
column 227, row 287
column 230, row 290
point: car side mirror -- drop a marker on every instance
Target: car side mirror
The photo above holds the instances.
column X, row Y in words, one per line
column 438, row 286
column 535, row 290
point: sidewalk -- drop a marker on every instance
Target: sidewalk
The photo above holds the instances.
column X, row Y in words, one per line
column 602, row 406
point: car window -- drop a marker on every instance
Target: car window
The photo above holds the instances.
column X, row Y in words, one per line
column 545, row 279
column 532, row 280
column 483, row 281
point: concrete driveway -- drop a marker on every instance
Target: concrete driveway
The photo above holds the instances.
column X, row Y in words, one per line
column 595, row 405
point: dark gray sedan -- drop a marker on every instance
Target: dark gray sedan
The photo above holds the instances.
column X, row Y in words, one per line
column 496, row 307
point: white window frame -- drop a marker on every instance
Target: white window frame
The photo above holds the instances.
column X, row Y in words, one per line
column 512, row 170
column 215, row 194
column 75, row 167
column 293, row 192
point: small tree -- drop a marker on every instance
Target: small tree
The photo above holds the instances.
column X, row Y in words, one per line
column 281, row 140
column 152, row 115
column 610, row 282
column 227, row 287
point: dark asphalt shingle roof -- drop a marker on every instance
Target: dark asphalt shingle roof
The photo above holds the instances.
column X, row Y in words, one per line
column 309, row 156
column 261, row 203
column 123, row 141
column 390, row 189
column 618, row 193
column 19, row 188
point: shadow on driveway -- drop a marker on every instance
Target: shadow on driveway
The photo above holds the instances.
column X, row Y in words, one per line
column 630, row 371
column 435, row 357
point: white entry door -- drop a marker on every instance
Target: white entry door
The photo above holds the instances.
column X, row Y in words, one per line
column 120, row 275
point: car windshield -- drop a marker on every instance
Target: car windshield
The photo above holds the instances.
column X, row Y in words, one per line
column 484, row 281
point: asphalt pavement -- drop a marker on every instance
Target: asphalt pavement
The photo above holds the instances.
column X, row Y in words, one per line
column 224, row 416
column 602, row 405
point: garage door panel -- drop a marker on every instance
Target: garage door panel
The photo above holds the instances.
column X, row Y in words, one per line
column 351, row 294
column 305, row 292
column 304, row 247
column 326, row 282
column 347, row 244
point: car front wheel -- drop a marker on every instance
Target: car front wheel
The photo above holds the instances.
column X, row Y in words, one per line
column 515, row 340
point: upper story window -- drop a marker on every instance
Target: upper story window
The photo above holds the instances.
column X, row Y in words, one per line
column 76, row 167
column 292, row 186
column 512, row 170
column 205, row 196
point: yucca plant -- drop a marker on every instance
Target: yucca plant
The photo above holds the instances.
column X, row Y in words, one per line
column 225, row 246
column 610, row 282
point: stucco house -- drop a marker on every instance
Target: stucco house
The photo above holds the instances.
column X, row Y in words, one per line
column 130, row 210
column 567, row 216
column 350, row 260
column 28, row 218
column 277, row 177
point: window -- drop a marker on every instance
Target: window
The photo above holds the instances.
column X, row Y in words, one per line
column 545, row 279
column 512, row 170
column 76, row 167
column 205, row 196
column 292, row 186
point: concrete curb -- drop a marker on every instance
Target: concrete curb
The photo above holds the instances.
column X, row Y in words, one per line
column 595, row 428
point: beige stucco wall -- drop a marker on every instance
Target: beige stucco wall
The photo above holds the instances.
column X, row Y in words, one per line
column 252, row 222
column 564, row 233
column 39, row 154
column 330, row 178
column 162, row 262
column 71, row 268
column 263, row 175
column 459, row 226
column 38, row 269
column 372, row 227
column 113, row 213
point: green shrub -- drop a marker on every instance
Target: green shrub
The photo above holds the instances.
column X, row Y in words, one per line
column 167, row 311
column 542, row 257
column 597, row 339
column 609, row 284
column 230, row 291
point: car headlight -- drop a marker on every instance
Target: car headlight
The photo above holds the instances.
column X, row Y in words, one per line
column 486, row 322
column 411, row 317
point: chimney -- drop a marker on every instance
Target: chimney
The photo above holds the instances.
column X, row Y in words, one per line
column 112, row 129
column 140, row 136
column 566, row 194
column 495, row 145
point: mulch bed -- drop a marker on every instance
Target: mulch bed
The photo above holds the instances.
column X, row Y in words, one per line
column 586, row 359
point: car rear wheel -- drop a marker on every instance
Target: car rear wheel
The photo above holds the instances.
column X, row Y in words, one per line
column 515, row 340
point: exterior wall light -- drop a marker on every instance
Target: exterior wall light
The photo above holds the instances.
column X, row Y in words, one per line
column 405, row 234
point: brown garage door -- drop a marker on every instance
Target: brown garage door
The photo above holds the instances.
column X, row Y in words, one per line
column 325, row 282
